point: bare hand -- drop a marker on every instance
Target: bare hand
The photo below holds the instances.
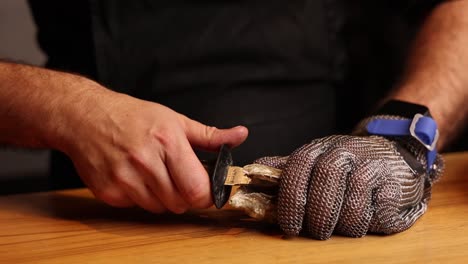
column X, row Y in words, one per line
column 134, row 152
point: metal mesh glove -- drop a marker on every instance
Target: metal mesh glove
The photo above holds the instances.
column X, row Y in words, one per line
column 351, row 185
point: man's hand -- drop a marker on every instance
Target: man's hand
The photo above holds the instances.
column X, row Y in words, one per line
column 351, row 185
column 127, row 151
column 130, row 151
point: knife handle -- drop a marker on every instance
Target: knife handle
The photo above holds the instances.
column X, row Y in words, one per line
column 217, row 170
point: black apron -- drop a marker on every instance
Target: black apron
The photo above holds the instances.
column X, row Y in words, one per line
column 289, row 70
column 262, row 64
column 274, row 66
column 271, row 66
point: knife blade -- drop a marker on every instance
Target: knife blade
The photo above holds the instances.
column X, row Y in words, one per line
column 223, row 175
column 252, row 174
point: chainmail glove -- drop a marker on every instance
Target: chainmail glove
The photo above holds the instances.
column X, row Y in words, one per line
column 352, row 185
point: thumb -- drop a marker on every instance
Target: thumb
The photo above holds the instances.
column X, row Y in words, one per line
column 211, row 138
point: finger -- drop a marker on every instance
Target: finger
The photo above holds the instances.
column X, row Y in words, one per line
column 159, row 206
column 159, row 182
column 211, row 138
column 188, row 174
column 105, row 190
column 275, row 161
column 130, row 181
column 113, row 196
column 145, row 198
column 163, row 187
column 326, row 192
column 357, row 210
column 294, row 183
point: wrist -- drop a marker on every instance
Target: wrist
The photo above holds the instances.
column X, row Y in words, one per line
column 70, row 109
column 410, row 125
column 439, row 107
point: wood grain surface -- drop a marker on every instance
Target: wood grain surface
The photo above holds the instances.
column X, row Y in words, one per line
column 72, row 227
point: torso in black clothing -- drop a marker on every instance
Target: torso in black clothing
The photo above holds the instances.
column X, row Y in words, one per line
column 272, row 66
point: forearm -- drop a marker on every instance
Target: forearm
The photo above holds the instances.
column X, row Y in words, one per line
column 34, row 102
column 435, row 74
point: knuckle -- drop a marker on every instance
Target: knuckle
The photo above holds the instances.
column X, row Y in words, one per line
column 209, row 134
column 122, row 178
column 164, row 137
column 135, row 155
column 209, row 131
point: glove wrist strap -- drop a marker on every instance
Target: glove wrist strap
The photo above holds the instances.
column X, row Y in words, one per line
column 420, row 126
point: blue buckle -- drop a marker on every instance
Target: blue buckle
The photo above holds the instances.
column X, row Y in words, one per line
column 422, row 128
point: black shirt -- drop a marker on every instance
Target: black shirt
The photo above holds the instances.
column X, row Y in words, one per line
column 281, row 68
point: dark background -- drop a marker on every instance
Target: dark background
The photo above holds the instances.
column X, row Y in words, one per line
column 20, row 170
